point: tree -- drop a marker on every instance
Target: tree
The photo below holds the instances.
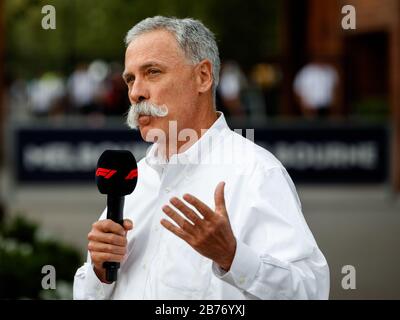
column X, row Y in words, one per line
column 93, row 29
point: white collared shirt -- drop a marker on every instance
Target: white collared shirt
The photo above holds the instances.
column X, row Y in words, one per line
column 276, row 255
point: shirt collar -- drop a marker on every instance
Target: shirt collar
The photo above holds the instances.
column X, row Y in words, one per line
column 195, row 153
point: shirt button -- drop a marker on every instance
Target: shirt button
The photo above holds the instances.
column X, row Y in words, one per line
column 242, row 280
column 167, row 190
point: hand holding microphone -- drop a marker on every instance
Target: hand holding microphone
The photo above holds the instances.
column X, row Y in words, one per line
column 107, row 242
column 116, row 176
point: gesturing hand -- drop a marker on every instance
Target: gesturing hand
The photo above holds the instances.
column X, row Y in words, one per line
column 212, row 235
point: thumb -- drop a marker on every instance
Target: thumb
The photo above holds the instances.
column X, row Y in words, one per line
column 219, row 197
column 128, row 224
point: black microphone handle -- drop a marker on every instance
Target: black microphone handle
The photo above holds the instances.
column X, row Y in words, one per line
column 115, row 208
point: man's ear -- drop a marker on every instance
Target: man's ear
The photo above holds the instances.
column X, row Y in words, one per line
column 204, row 76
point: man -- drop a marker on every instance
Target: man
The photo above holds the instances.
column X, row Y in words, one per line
column 198, row 227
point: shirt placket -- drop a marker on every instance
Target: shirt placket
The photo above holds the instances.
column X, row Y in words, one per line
column 170, row 177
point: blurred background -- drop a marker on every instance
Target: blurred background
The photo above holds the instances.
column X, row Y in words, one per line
column 324, row 99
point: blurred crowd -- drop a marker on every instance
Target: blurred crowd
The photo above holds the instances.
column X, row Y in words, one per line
column 248, row 95
column 97, row 88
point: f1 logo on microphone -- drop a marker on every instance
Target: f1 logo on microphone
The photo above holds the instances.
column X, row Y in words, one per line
column 132, row 174
column 108, row 173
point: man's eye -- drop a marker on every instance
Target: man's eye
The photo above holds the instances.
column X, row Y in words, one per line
column 129, row 80
column 154, row 71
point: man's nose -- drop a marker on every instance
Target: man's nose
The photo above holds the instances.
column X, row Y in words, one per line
column 138, row 92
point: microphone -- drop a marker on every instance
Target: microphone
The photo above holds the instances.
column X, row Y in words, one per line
column 116, row 176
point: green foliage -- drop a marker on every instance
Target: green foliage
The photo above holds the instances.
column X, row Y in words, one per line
column 247, row 31
column 23, row 254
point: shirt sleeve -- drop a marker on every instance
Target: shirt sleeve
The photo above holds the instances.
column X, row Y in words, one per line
column 276, row 255
column 88, row 287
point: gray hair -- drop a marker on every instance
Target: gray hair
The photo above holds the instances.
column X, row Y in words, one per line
column 195, row 39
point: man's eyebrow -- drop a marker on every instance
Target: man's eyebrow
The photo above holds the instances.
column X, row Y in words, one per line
column 127, row 74
column 150, row 64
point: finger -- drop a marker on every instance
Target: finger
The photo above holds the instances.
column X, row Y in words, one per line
column 189, row 213
column 109, row 238
column 128, row 224
column 174, row 229
column 108, row 225
column 100, row 257
column 219, row 197
column 204, row 210
column 183, row 223
column 94, row 246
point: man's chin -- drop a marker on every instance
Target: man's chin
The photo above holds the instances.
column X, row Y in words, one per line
column 144, row 132
column 151, row 134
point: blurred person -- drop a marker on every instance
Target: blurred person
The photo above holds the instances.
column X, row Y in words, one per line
column 315, row 88
column 115, row 99
column 82, row 89
column 262, row 78
column 45, row 93
column 194, row 229
column 232, row 81
column 265, row 78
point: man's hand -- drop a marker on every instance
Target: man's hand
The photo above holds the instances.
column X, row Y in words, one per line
column 211, row 235
column 107, row 242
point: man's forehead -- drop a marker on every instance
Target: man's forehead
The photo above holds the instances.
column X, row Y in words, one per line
column 158, row 45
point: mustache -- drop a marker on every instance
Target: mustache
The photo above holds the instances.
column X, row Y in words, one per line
column 144, row 108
